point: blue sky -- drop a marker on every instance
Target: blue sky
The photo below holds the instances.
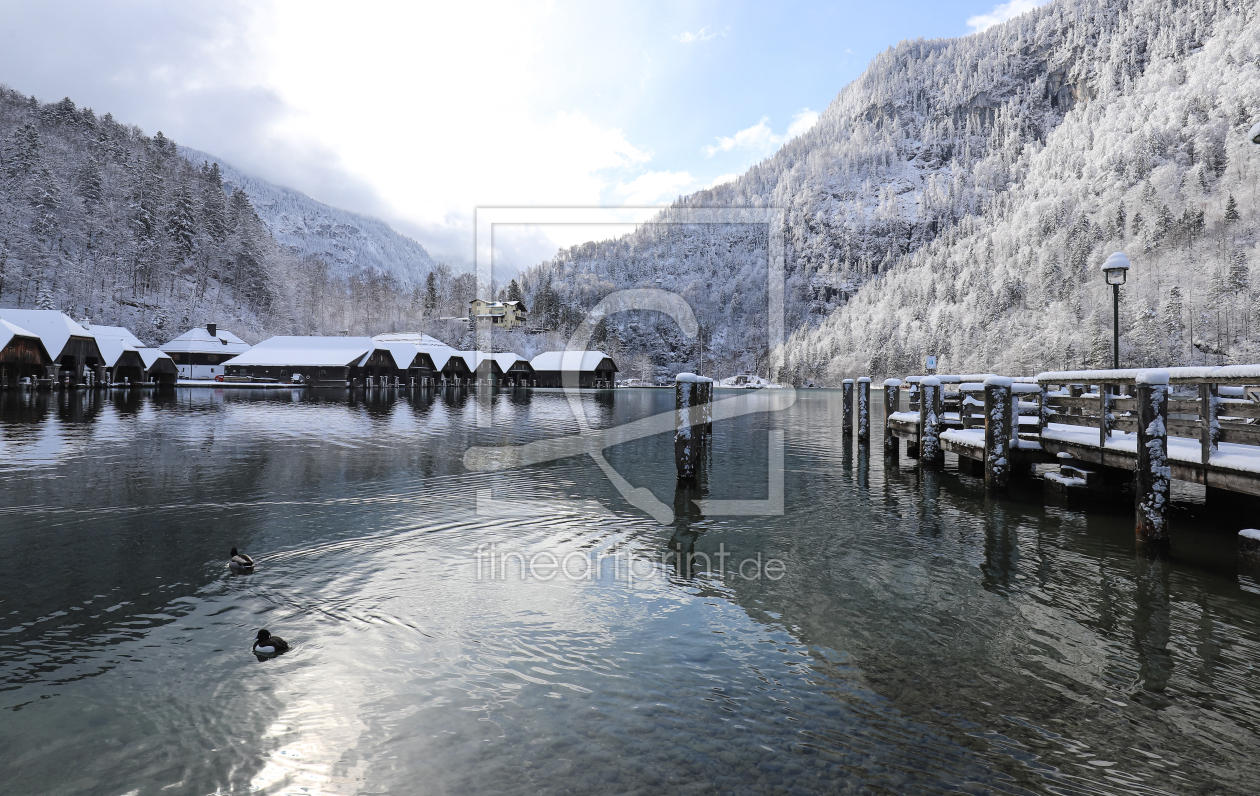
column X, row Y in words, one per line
column 418, row 113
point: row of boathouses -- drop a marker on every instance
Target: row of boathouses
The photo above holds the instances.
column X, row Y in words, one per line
column 47, row 346
column 410, row 360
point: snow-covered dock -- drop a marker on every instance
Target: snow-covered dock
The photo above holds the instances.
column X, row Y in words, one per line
column 1200, row 425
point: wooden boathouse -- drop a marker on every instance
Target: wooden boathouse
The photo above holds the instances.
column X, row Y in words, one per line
column 589, row 369
column 22, row 355
column 72, row 348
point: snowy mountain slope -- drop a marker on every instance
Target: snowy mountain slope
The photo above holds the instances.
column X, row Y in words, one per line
column 350, row 243
column 1152, row 160
column 914, row 166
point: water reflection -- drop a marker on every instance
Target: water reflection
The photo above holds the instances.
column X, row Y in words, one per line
column 921, row 638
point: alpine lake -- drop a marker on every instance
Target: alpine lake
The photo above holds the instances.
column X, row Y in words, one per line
column 529, row 631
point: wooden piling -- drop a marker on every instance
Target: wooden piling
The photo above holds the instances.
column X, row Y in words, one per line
column 930, row 453
column 1153, row 476
column 892, row 400
column 864, row 409
column 846, row 392
column 689, row 394
column 997, row 432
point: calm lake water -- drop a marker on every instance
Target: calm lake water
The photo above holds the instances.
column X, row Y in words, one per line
column 915, row 638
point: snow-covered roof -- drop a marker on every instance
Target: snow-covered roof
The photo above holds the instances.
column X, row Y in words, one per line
column 285, row 350
column 475, row 358
column 53, row 328
column 113, row 342
column 508, row 360
column 199, row 341
column 112, row 349
column 152, row 355
column 570, row 360
column 408, row 337
column 118, row 332
column 8, row 331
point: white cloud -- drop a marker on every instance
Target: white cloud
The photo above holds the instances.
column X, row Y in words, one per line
column 722, row 179
column 757, row 137
column 1001, row 13
column 704, row 34
column 801, row 121
column 655, row 187
column 760, row 138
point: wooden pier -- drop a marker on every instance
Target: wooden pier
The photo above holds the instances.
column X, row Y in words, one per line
column 1101, row 427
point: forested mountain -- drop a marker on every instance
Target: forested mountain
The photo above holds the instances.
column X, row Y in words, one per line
column 101, row 221
column 351, row 244
column 959, row 197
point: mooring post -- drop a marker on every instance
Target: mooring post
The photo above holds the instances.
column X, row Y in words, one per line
column 706, row 407
column 688, row 420
column 846, row 392
column 864, row 409
column 1153, row 472
column 892, row 395
column 997, row 432
column 930, row 454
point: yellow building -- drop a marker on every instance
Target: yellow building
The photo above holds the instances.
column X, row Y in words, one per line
column 502, row 314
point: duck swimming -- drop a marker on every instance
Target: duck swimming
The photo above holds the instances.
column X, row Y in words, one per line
column 240, row 562
column 266, row 644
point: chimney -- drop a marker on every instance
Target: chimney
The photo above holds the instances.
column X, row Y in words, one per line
column 212, row 329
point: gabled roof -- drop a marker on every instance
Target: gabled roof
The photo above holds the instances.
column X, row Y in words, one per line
column 112, row 350
column 8, row 331
column 408, row 337
column 474, row 359
column 199, row 341
column 151, row 356
column 53, row 328
column 118, row 332
column 113, row 342
column 507, row 361
column 582, row 361
column 285, row 350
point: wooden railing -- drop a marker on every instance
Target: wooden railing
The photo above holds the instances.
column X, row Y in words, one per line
column 1160, row 424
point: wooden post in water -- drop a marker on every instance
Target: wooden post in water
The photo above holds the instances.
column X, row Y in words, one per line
column 930, row 453
column 864, row 409
column 689, row 418
column 706, row 407
column 1154, row 474
column 846, row 391
column 892, row 397
column 997, row 432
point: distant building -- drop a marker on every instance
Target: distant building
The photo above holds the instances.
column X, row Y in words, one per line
column 72, row 348
column 501, row 314
column 591, row 368
column 202, row 353
column 22, row 355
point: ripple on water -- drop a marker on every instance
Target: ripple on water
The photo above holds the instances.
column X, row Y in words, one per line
column 922, row 639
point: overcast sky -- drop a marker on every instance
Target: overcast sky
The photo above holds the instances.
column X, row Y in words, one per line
column 418, row 113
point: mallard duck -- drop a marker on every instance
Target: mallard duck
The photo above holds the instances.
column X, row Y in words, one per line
column 266, row 644
column 239, row 561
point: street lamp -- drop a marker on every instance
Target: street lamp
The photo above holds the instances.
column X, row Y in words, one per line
column 1117, row 268
column 1254, row 135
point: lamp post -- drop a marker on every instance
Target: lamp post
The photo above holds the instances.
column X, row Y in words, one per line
column 1116, row 269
